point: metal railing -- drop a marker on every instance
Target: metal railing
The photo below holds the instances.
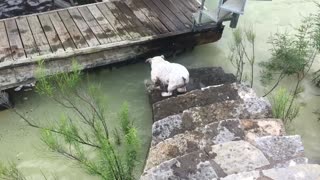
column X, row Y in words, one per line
column 227, row 10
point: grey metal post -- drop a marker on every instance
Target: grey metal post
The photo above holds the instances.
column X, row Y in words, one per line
column 201, row 8
column 234, row 20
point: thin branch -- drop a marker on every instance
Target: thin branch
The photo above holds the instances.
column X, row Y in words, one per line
column 77, row 139
column 281, row 76
column 100, row 116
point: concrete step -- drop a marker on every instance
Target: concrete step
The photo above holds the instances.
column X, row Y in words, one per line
column 297, row 172
column 208, row 96
column 282, row 151
column 211, row 134
column 199, row 78
column 188, row 120
column 231, row 157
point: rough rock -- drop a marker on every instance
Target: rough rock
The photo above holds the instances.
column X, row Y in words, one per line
column 252, row 175
column 196, row 98
column 172, row 148
column 262, row 127
column 189, row 141
column 164, row 146
column 221, row 132
column 199, row 78
column 252, row 104
column 298, row 172
column 280, row 148
column 238, row 156
column 195, row 165
column 200, row 116
column 214, row 162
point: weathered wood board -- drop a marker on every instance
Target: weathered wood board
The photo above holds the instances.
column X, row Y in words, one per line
column 97, row 34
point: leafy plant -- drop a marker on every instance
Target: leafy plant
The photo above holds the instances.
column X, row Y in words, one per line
column 10, row 172
column 240, row 53
column 291, row 55
column 83, row 128
column 282, row 107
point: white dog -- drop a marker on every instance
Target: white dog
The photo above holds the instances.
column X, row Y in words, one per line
column 174, row 75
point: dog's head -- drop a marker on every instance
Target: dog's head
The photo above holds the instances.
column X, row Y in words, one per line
column 149, row 60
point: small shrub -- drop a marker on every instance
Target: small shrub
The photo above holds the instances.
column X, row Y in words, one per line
column 282, row 107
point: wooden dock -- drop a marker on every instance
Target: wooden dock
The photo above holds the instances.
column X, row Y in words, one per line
column 96, row 35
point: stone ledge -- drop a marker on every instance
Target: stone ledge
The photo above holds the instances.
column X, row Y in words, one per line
column 297, row 172
column 199, row 78
column 208, row 135
column 200, row 116
column 220, row 132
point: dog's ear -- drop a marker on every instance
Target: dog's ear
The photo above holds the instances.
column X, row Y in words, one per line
column 149, row 60
column 162, row 56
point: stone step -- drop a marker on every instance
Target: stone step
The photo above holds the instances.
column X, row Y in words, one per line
column 199, row 78
column 207, row 96
column 211, row 134
column 188, row 120
column 231, row 157
column 297, row 172
column 282, row 151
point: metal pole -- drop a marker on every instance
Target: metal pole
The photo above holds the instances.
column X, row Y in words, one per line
column 201, row 8
column 234, row 20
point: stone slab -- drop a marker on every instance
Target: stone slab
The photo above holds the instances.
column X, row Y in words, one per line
column 255, row 128
column 199, row 78
column 299, row 172
column 200, row 116
column 196, row 165
column 279, row 149
column 196, row 98
column 189, row 141
column 238, row 156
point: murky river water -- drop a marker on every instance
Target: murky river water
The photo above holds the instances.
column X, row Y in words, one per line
column 21, row 144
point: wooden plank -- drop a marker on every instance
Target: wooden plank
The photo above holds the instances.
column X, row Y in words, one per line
column 196, row 4
column 109, row 31
column 162, row 17
column 5, row 51
column 14, row 40
column 126, row 23
column 93, row 24
column 189, row 5
column 73, row 30
column 114, row 22
column 172, row 7
column 83, row 27
column 139, row 7
column 181, row 11
column 142, row 22
column 38, row 34
column 183, row 8
column 28, row 41
column 173, row 18
column 62, row 32
column 50, row 32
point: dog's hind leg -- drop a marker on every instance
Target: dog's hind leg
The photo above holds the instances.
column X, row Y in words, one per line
column 171, row 88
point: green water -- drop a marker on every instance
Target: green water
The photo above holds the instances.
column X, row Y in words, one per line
column 21, row 144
